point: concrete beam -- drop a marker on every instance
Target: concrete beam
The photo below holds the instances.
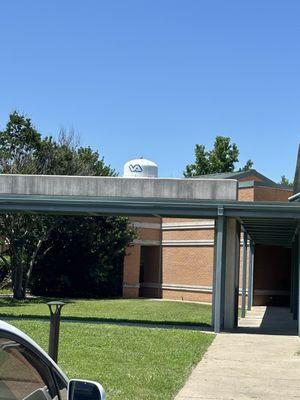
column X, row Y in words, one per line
column 159, row 188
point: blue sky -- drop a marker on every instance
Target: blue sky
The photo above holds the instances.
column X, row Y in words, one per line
column 154, row 77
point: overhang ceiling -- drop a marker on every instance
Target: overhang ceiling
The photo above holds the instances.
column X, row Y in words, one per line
column 270, row 231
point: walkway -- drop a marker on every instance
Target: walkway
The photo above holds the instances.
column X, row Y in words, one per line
column 243, row 366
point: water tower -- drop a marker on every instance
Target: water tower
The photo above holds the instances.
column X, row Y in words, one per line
column 140, row 168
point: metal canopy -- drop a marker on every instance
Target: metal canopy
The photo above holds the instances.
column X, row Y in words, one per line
column 115, row 205
column 271, row 231
column 268, row 223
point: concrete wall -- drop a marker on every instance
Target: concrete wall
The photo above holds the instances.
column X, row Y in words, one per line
column 50, row 185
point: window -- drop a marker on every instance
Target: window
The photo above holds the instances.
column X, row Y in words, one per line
column 22, row 373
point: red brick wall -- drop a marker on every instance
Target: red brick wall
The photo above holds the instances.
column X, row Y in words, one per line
column 271, row 194
column 187, row 296
column 204, row 234
column 187, row 265
column 246, row 194
column 190, row 265
column 131, row 274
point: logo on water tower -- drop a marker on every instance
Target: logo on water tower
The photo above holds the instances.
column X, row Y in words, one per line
column 135, row 168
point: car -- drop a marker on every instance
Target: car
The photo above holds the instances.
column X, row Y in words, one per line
column 28, row 373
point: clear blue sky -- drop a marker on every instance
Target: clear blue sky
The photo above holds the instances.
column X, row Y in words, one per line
column 155, row 77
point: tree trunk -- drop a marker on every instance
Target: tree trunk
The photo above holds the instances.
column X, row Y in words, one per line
column 17, row 277
column 17, row 281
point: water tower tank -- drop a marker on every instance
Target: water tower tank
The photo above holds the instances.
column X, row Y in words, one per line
column 140, row 168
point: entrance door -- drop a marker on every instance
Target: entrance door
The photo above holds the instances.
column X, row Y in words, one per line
column 272, row 276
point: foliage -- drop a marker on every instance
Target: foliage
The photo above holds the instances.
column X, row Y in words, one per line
column 82, row 257
column 285, row 181
column 247, row 166
column 222, row 158
column 24, row 151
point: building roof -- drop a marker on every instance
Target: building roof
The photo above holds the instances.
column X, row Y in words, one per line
column 237, row 175
column 263, row 180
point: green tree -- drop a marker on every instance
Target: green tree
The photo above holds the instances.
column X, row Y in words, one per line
column 83, row 257
column 221, row 158
column 23, row 151
column 285, row 181
column 247, row 166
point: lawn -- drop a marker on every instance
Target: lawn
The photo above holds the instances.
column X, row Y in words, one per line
column 118, row 310
column 130, row 362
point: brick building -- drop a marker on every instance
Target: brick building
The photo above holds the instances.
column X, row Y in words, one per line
column 173, row 258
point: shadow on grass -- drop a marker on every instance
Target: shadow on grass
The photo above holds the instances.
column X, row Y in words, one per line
column 6, row 301
column 115, row 321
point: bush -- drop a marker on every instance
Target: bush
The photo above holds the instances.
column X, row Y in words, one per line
column 83, row 257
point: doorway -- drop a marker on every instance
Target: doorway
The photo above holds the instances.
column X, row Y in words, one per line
column 272, row 276
column 150, row 271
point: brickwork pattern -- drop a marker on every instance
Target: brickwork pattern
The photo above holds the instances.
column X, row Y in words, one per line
column 204, row 234
column 187, row 265
column 272, row 194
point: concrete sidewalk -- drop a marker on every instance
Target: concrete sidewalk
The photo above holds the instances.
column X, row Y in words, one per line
column 242, row 366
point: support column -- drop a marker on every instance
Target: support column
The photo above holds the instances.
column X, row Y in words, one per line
column 292, row 292
column 219, row 271
column 131, row 272
column 244, row 283
column 237, row 272
column 298, row 281
column 296, row 277
column 250, row 276
column 231, row 272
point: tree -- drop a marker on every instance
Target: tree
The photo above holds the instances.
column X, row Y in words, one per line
column 285, row 181
column 23, row 151
column 247, row 166
column 83, row 257
column 222, row 158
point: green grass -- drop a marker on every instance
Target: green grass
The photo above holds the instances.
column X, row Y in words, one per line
column 6, row 292
column 117, row 310
column 131, row 362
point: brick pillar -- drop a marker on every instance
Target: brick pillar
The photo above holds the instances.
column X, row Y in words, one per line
column 131, row 275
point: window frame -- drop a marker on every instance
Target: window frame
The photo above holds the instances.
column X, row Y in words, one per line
column 49, row 367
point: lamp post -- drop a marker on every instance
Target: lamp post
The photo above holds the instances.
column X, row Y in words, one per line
column 55, row 311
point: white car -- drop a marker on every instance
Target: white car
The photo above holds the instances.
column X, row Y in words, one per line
column 28, row 373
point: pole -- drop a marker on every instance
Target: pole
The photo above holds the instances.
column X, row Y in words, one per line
column 218, row 301
column 250, row 277
column 244, row 274
column 55, row 311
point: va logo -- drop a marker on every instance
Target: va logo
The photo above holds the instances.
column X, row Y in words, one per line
column 135, row 168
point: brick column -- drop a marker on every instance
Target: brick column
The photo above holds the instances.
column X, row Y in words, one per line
column 131, row 275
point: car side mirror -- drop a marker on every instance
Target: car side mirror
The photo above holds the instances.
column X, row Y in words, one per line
column 85, row 390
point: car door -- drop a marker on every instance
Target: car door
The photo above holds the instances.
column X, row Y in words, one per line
column 23, row 374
